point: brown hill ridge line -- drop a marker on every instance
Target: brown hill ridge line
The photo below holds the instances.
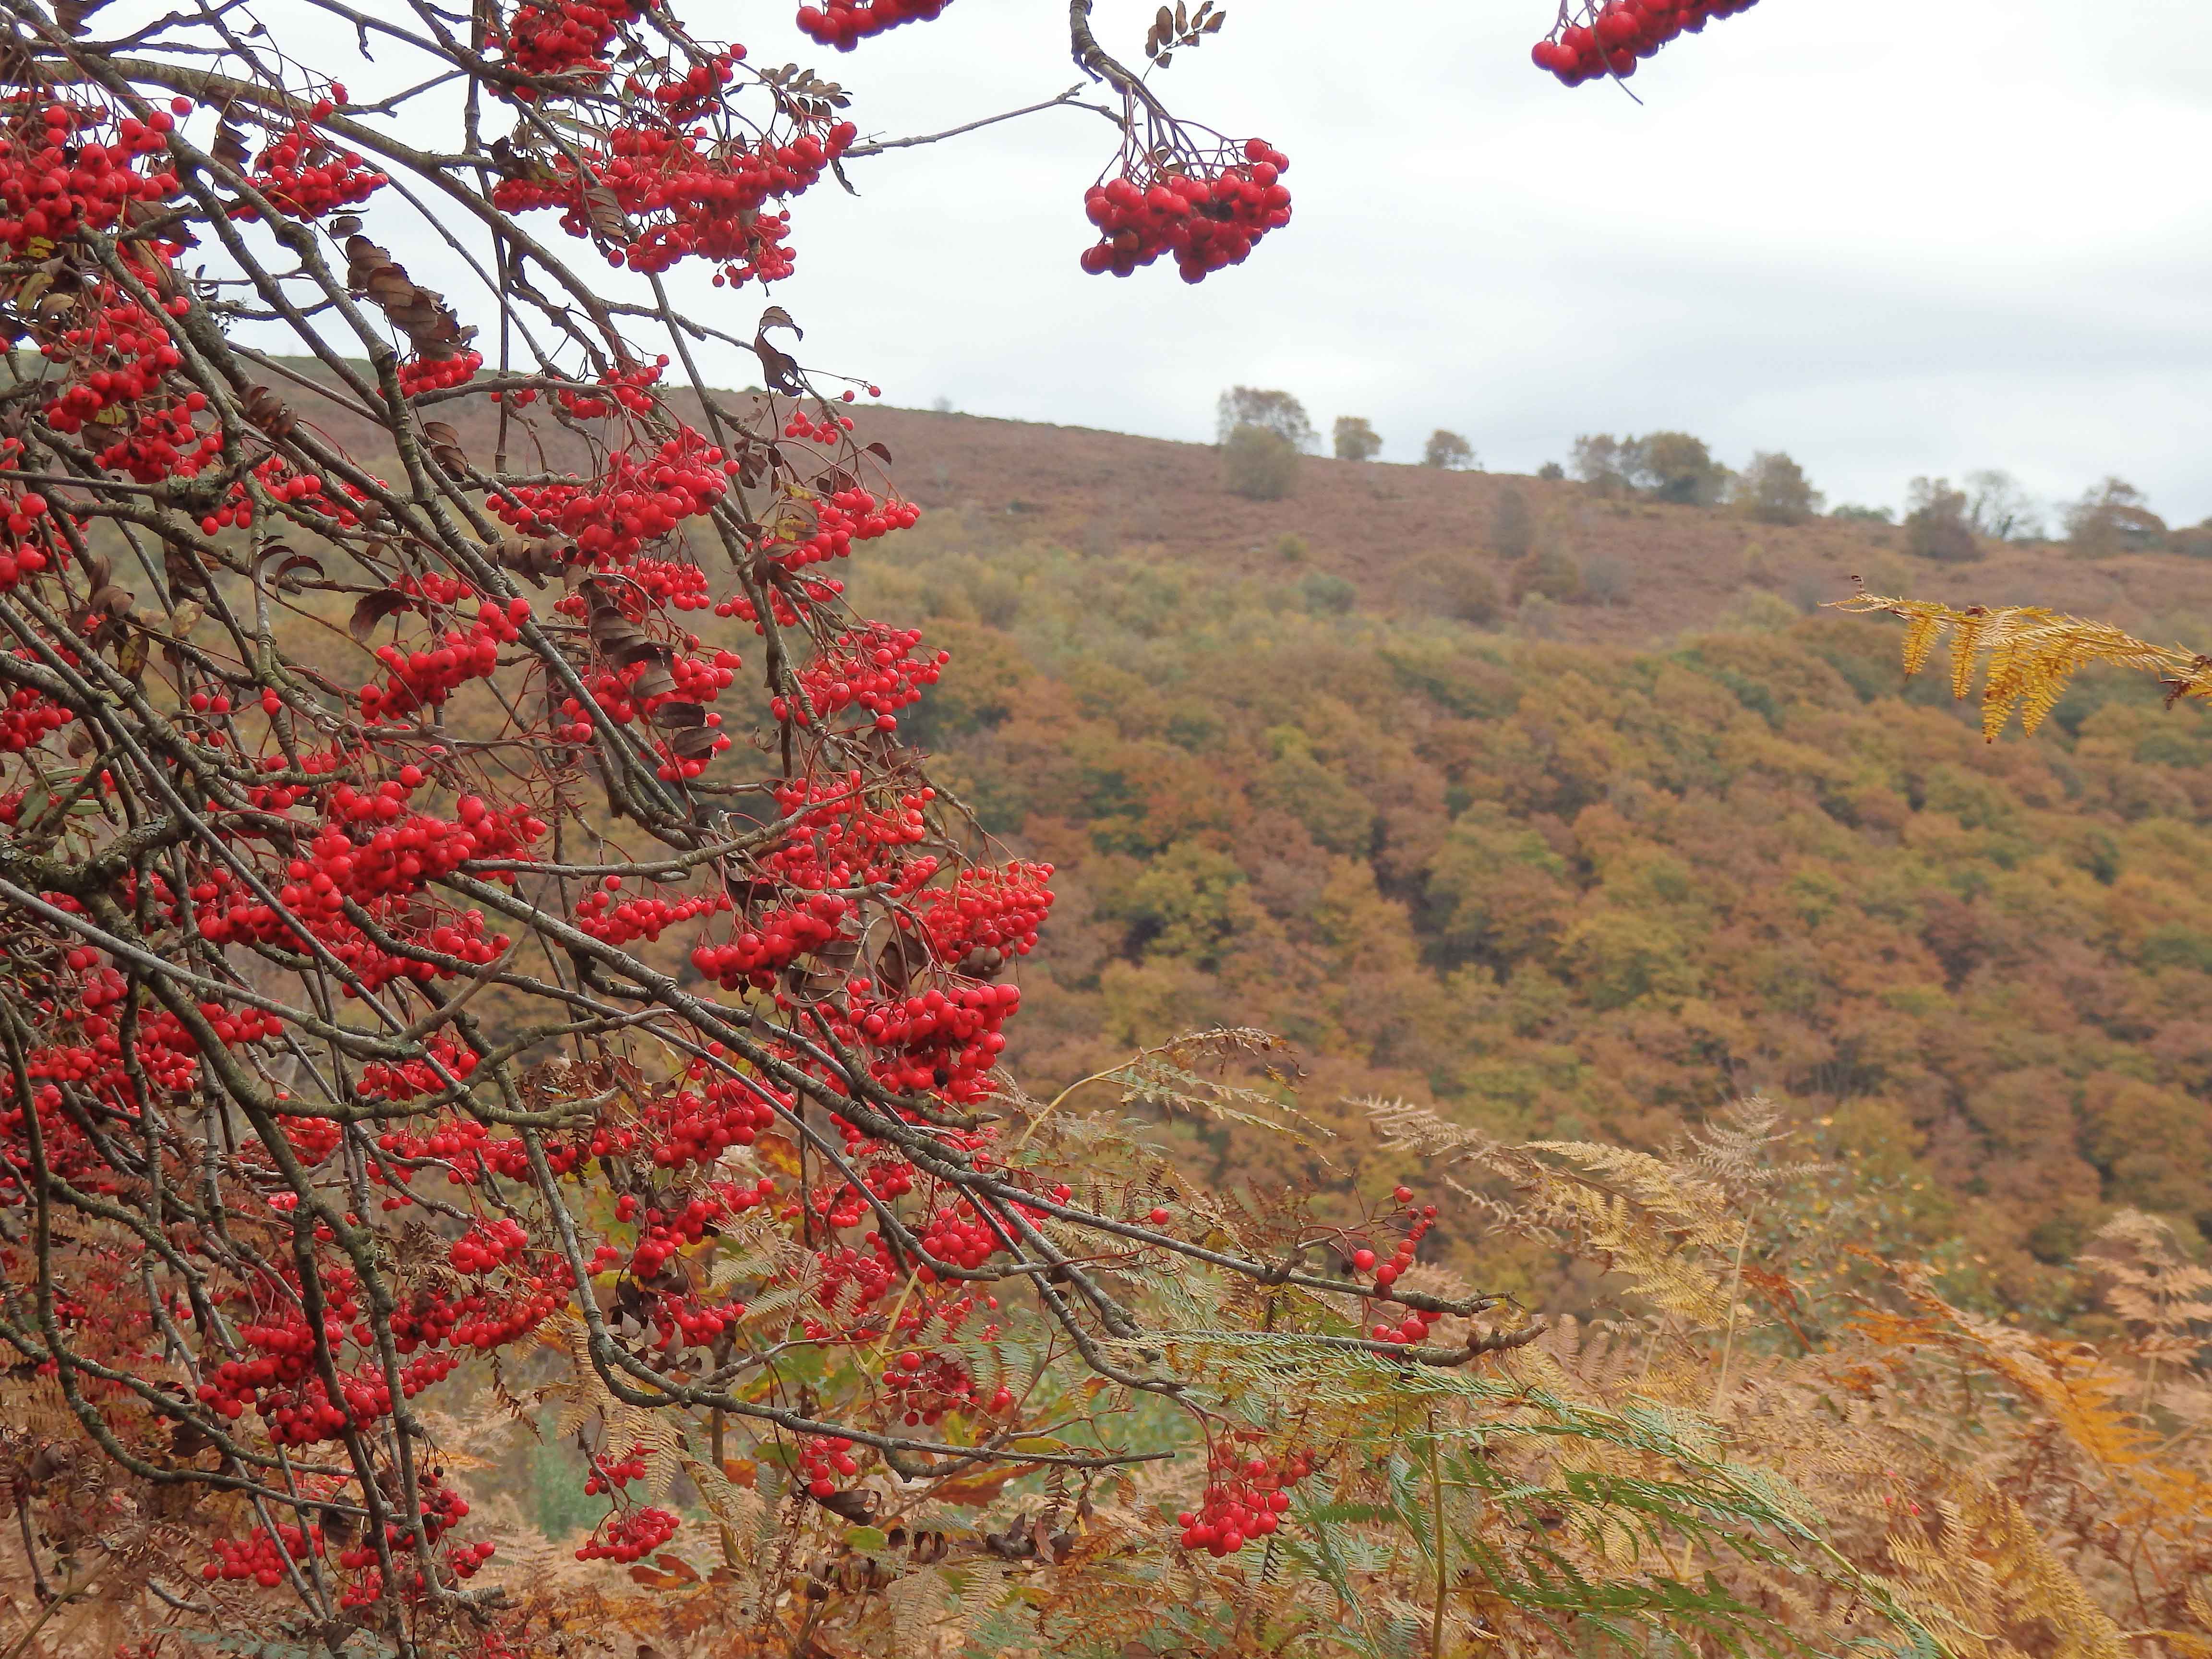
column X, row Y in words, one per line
column 1657, row 571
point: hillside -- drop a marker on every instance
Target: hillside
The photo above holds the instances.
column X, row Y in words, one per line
column 1400, row 533
column 1591, row 869
column 1383, row 527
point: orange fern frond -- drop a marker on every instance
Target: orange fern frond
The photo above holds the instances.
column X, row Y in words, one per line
column 2029, row 654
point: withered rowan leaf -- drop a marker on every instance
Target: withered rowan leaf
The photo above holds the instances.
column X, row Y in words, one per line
column 373, row 608
column 229, row 145
column 268, row 413
column 603, row 212
column 131, row 658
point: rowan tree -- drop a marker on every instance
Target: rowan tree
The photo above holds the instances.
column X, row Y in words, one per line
column 475, row 931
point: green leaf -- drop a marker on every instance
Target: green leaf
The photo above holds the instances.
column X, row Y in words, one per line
column 867, row 1540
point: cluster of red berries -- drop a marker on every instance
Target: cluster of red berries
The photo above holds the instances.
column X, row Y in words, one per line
column 304, row 490
column 697, row 1128
column 163, row 442
column 419, row 374
column 631, row 1536
column 845, row 23
column 564, row 39
column 261, row 1557
column 696, row 91
column 441, row 1509
column 410, row 1079
column 404, row 849
column 944, row 1040
column 225, row 909
column 636, row 500
column 811, row 592
column 1614, row 36
column 302, row 176
column 665, row 1234
column 26, row 549
column 611, row 1474
column 1208, row 218
column 485, row 1247
column 872, row 667
column 427, row 676
column 682, row 196
column 242, row 1025
column 283, row 1388
column 849, row 516
column 806, row 429
column 841, row 841
column 625, row 386
column 312, row 1139
column 1414, row 1327
column 871, row 1275
column 989, row 907
column 693, row 679
column 957, row 1234
column 1245, row 1500
column 771, row 941
column 647, row 915
column 56, row 180
column 923, row 1387
column 29, row 717
column 674, row 585
column 823, row 1461
column 490, row 1322
column 166, row 1051
column 431, row 1318
column 119, row 356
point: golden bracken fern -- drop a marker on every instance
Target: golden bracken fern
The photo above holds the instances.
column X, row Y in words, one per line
column 2028, row 654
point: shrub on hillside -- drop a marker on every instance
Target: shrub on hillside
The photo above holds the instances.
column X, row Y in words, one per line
column 1250, row 405
column 1601, row 466
column 1450, row 585
column 1258, row 464
column 1550, row 575
column 1512, row 529
column 1936, row 523
column 1774, row 489
column 2113, row 517
column 1673, row 466
column 1327, row 595
column 2001, row 509
column 1660, row 466
column 1605, row 581
column 1448, row 450
column 1355, row 439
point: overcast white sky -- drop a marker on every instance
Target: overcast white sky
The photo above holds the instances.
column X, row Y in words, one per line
column 1889, row 237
